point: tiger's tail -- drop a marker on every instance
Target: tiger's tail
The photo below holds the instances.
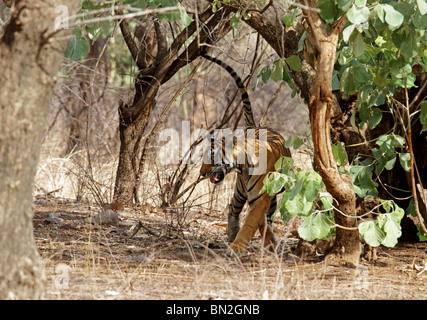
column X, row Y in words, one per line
column 249, row 117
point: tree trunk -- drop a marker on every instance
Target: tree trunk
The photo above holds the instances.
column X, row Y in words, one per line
column 346, row 249
column 131, row 130
column 29, row 61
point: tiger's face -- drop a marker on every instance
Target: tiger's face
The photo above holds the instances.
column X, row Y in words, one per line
column 216, row 174
column 216, row 164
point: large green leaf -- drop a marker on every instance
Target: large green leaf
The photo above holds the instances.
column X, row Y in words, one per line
column 386, row 229
column 393, row 17
column 391, row 228
column 315, row 226
column 372, row 233
column 358, row 15
column 422, row 6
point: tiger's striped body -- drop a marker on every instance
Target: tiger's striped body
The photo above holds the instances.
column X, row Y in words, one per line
column 249, row 180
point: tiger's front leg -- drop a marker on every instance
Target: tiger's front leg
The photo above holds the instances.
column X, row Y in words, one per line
column 256, row 220
column 234, row 210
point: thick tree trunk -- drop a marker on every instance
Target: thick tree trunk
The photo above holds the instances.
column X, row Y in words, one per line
column 29, row 62
column 346, row 249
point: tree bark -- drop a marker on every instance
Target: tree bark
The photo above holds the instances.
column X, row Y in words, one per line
column 346, row 249
column 29, row 60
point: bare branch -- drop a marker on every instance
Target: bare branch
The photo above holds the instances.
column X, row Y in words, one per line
column 127, row 36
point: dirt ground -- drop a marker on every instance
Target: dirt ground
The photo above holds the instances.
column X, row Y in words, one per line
column 163, row 254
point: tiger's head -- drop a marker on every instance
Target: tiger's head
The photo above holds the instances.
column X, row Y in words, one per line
column 219, row 160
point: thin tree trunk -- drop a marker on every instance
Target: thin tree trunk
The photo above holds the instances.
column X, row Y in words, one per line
column 130, row 135
column 29, row 61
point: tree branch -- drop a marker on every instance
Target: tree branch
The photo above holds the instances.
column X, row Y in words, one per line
column 162, row 46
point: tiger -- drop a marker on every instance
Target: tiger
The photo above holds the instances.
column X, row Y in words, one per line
column 217, row 163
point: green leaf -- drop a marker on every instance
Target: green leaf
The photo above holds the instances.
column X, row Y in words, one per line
column 294, row 63
column 358, row 15
column 77, row 48
column 265, row 74
column 423, row 115
column 391, row 228
column 301, row 41
column 311, row 190
column 344, row 5
column 273, row 183
column 358, row 45
column 294, row 207
column 185, row 18
column 362, row 179
column 328, row 10
column 393, row 17
column 288, row 142
column 364, row 112
column 398, row 141
column 409, row 45
column 284, row 163
column 380, row 12
column 348, row 82
column 340, row 155
column 346, row 33
column 327, row 200
column 375, row 119
column 405, row 161
column 277, row 72
column 361, row 73
column 289, row 18
column 235, row 21
column 422, row 6
column 297, row 143
column 360, row 3
column 335, row 81
column 389, row 142
column 386, row 229
column 371, row 233
column 107, row 27
column 315, row 226
column 93, row 31
column 296, row 189
column 421, row 235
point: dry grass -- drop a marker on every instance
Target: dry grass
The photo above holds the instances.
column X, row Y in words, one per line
column 166, row 261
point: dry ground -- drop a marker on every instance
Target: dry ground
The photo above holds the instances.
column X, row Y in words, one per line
column 170, row 257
